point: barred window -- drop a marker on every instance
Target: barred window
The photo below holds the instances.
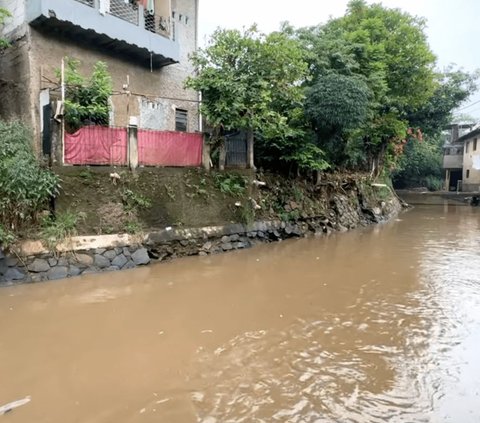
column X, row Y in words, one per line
column 181, row 119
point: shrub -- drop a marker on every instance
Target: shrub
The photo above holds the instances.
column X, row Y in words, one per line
column 56, row 229
column 231, row 183
column 25, row 186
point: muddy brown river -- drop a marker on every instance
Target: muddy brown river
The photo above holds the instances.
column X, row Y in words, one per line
column 375, row 325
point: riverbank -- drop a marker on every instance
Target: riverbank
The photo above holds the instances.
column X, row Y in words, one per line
column 248, row 209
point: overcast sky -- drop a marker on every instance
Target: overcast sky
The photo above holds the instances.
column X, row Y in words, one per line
column 453, row 26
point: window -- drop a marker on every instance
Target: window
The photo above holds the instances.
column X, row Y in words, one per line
column 474, row 144
column 468, row 173
column 466, row 147
column 447, row 152
column 181, row 119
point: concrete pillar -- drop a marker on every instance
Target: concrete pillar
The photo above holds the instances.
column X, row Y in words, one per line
column 141, row 16
column 447, row 180
column 250, row 145
column 132, row 136
column 223, row 156
column 206, row 155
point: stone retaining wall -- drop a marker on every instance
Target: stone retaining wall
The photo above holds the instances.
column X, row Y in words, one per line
column 33, row 263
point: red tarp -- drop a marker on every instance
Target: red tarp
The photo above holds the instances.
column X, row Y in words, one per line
column 96, row 145
column 162, row 148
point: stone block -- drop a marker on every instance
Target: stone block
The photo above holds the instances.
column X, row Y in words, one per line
column 83, row 259
column 130, row 265
column 119, row 261
column 101, row 262
column 39, row 265
column 140, row 257
column 58, row 272
column 11, row 261
column 227, row 246
column 13, row 274
column 111, row 254
column 74, row 271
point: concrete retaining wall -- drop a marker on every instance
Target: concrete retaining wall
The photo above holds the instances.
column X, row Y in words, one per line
column 32, row 262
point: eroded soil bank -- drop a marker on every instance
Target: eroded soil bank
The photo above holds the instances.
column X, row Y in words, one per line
column 180, row 212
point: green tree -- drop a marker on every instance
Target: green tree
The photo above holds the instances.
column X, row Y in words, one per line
column 4, row 14
column 87, row 100
column 421, row 164
column 336, row 105
column 453, row 87
column 388, row 50
column 251, row 81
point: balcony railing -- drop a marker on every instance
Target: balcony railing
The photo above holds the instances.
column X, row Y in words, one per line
column 134, row 14
column 87, row 2
column 124, row 11
column 126, row 26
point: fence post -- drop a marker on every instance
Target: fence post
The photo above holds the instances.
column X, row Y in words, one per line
column 223, row 155
column 206, row 155
column 132, row 135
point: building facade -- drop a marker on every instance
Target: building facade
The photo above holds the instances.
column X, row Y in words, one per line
column 461, row 159
column 145, row 43
column 471, row 161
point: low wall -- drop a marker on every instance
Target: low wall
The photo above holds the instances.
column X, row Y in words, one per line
column 32, row 262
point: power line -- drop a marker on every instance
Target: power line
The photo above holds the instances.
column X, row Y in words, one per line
column 470, row 105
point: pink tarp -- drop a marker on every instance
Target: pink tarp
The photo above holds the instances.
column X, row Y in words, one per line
column 96, row 145
column 162, row 148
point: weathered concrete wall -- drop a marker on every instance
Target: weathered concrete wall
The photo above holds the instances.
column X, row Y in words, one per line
column 17, row 20
column 26, row 67
column 15, row 82
column 15, row 66
column 84, row 255
column 471, row 163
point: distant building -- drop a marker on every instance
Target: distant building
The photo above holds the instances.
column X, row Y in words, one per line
column 461, row 159
column 146, row 44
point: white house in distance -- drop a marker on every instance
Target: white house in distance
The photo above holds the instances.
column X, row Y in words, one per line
column 461, row 159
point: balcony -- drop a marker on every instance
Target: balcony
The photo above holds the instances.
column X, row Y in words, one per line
column 116, row 26
column 452, row 161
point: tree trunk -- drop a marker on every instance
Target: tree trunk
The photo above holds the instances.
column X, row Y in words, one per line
column 250, row 144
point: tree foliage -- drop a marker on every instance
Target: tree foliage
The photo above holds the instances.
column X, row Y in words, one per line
column 453, row 87
column 25, row 187
column 242, row 75
column 337, row 103
column 421, row 164
column 87, row 100
column 341, row 94
column 386, row 50
column 252, row 81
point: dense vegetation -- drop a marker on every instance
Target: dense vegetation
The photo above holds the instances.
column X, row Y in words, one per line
column 25, row 186
column 354, row 93
column 86, row 99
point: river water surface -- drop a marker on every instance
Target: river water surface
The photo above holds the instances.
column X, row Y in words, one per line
column 379, row 324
